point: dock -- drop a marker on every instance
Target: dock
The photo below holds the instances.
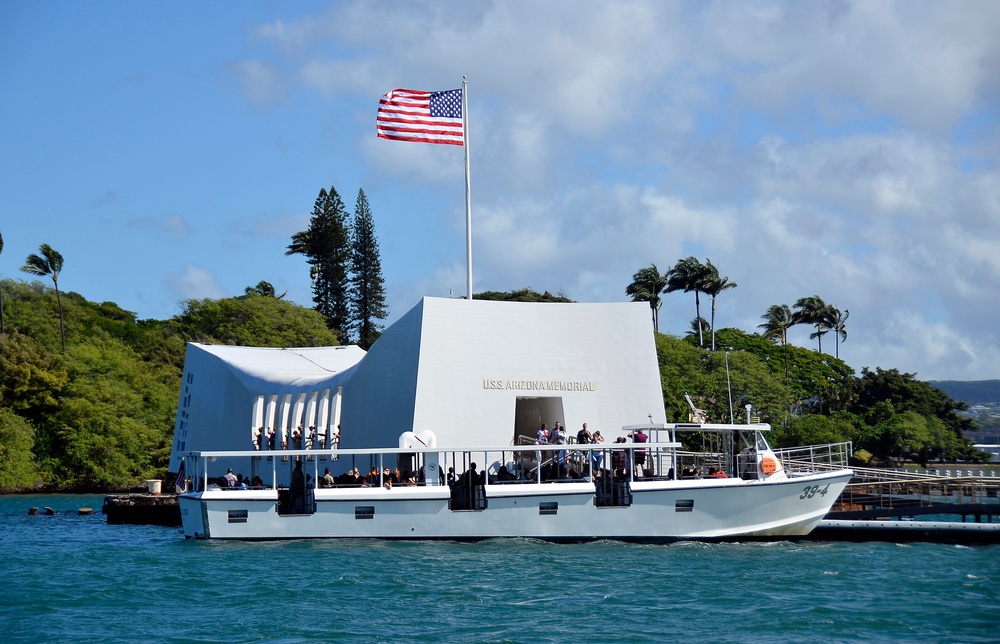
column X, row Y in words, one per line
column 889, row 505
column 142, row 509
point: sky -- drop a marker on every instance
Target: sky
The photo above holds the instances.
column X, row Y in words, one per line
column 849, row 150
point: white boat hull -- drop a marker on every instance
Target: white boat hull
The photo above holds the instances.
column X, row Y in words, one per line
column 689, row 509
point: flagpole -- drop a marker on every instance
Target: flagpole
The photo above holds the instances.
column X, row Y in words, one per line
column 468, row 187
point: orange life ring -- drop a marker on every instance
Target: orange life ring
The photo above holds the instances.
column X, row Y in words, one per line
column 768, row 465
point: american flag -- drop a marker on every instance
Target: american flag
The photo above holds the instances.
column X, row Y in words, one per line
column 425, row 117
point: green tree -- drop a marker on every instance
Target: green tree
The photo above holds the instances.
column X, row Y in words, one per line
column 811, row 429
column 905, row 393
column 713, row 284
column 367, row 291
column 813, row 310
column 264, row 288
column 253, row 320
column 646, row 286
column 686, row 369
column 17, row 463
column 777, row 320
column 526, row 294
column 1, row 293
column 32, row 378
column 688, row 275
column 697, row 324
column 48, row 264
column 326, row 245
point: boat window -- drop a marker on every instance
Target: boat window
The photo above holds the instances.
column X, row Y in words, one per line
column 238, row 516
column 548, row 508
column 684, row 505
column 364, row 512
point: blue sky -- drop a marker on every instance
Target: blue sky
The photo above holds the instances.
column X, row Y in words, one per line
column 844, row 149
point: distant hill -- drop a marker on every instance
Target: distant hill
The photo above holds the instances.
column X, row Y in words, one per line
column 973, row 392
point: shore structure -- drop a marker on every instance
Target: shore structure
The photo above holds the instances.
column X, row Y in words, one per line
column 433, row 433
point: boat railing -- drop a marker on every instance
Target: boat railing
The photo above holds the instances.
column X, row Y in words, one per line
column 525, row 463
column 814, row 458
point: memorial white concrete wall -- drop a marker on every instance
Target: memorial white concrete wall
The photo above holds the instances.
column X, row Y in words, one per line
column 458, row 368
column 474, row 373
column 221, row 385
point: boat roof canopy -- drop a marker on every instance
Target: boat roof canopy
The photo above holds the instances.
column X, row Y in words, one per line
column 719, row 427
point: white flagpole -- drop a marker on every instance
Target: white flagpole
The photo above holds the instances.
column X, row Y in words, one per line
column 468, row 187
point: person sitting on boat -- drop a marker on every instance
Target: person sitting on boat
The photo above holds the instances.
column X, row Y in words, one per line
column 716, row 473
column 230, row 478
column 328, row 480
column 372, row 479
column 241, row 483
column 257, row 482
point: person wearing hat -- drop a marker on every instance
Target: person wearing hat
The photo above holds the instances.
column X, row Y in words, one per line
column 230, row 478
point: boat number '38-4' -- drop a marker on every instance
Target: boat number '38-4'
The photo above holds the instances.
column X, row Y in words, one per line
column 812, row 491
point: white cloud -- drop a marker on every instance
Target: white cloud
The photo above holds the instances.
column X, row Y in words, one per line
column 193, row 282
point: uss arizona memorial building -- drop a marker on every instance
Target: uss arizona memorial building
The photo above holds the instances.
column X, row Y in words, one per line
column 475, row 373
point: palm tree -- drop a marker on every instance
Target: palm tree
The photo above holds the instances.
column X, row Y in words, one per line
column 688, row 275
column 646, row 286
column 49, row 263
column 713, row 285
column 777, row 320
column 813, row 310
column 696, row 325
column 838, row 322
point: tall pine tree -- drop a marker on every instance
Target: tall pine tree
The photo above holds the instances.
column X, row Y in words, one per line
column 327, row 246
column 367, row 292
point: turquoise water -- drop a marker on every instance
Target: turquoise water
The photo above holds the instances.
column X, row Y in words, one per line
column 74, row 578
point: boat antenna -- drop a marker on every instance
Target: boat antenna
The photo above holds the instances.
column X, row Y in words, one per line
column 729, row 386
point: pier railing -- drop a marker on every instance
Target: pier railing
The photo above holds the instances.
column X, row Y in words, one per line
column 884, row 492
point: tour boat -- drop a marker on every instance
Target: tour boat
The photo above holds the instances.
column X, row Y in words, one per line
column 695, row 481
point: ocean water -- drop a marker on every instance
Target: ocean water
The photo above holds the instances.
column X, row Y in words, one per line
column 71, row 578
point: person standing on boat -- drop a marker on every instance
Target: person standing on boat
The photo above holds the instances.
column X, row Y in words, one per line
column 297, row 489
column 640, row 454
column 543, row 434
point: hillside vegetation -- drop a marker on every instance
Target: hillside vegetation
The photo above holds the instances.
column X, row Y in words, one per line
column 100, row 415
